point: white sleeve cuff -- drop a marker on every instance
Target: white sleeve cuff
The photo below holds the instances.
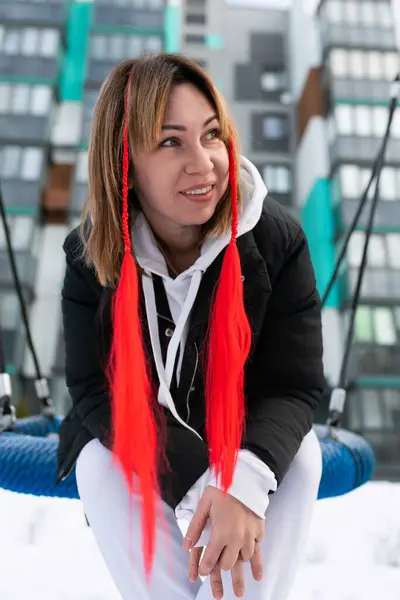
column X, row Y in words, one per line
column 187, row 507
column 252, row 482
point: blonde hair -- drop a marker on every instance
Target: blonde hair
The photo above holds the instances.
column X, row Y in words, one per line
column 152, row 77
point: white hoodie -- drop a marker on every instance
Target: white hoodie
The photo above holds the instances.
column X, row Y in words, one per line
column 253, row 480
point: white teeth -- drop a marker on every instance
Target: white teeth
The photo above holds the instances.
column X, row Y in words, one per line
column 199, row 190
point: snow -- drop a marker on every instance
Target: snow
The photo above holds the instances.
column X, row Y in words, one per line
column 353, row 551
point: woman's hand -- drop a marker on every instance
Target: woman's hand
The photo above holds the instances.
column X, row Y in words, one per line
column 234, row 532
column 237, row 573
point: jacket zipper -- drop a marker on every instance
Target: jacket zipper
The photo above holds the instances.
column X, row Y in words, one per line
column 191, row 385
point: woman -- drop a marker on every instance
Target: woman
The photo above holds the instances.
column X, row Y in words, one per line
column 193, row 349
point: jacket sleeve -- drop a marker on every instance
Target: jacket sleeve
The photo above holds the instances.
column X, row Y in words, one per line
column 286, row 379
column 87, row 384
column 84, row 374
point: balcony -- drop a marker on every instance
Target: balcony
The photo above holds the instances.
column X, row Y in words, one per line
column 357, row 24
column 22, row 172
column 111, row 13
column 349, row 148
column 108, row 49
column 50, row 13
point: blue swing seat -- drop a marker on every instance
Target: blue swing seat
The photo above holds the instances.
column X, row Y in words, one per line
column 28, row 460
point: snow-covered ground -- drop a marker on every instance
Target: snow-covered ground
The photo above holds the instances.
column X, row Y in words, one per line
column 47, row 551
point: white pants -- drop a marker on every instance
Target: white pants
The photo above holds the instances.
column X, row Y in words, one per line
column 104, row 494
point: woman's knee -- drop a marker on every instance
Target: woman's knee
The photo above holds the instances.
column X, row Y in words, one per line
column 91, row 466
column 306, row 469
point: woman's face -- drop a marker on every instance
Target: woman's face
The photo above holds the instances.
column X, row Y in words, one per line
column 182, row 179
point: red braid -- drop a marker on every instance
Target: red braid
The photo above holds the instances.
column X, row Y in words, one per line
column 228, row 348
column 134, row 426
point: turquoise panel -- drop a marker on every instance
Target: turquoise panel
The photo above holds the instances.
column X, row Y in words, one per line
column 172, row 28
column 317, row 219
column 73, row 72
column 378, row 382
column 214, row 41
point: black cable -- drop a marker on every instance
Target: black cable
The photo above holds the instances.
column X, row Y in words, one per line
column 3, row 365
column 339, row 393
column 364, row 197
column 41, row 383
column 351, row 230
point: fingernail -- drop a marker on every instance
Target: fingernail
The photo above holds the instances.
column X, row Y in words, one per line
column 218, row 595
column 259, row 576
column 187, row 543
column 193, row 577
column 239, row 593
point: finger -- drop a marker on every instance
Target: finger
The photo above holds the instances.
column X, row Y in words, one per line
column 256, row 563
column 238, row 579
column 217, row 588
column 229, row 557
column 197, row 523
column 246, row 553
column 194, row 560
column 211, row 556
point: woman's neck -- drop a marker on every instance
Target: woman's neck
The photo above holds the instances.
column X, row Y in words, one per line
column 179, row 245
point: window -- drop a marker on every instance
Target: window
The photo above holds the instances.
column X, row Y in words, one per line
column 9, row 311
column 379, row 120
column 357, row 64
column 273, row 81
column 192, row 38
column 385, row 332
column 375, row 65
column 118, row 47
column 277, row 178
column 81, row 173
column 334, row 11
column 388, row 184
column 24, row 163
column 21, row 233
column 29, row 41
column 351, row 12
column 393, row 250
column 376, row 325
column 391, row 65
column 153, row 43
column 362, row 121
column 274, row 128
column 384, row 14
column 344, row 119
column 350, row 181
column 372, row 409
column 195, row 19
column 367, row 13
column 395, row 129
column 31, row 164
column 376, row 251
column 339, row 62
column 363, row 324
column 20, row 99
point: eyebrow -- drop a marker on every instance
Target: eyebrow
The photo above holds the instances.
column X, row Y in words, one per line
column 183, row 128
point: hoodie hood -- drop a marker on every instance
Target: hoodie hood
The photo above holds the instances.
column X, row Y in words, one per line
column 182, row 290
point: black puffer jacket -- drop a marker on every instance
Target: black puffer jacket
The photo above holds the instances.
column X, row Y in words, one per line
column 284, row 375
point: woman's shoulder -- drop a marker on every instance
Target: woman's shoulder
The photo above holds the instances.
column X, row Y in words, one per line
column 276, row 231
column 73, row 244
column 73, row 248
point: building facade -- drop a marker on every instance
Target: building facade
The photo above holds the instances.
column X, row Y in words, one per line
column 246, row 51
column 342, row 91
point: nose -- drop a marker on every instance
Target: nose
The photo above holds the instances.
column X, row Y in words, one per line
column 198, row 161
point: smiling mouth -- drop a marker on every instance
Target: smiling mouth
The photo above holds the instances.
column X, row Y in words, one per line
column 200, row 192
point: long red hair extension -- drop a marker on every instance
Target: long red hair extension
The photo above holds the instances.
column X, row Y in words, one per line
column 134, row 424
column 229, row 343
